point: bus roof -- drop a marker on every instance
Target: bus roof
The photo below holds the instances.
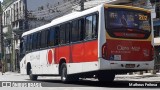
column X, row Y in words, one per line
column 64, row 18
column 75, row 15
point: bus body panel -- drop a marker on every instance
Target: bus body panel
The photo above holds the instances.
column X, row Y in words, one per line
column 121, row 65
column 63, row 53
column 80, row 57
column 91, row 51
column 77, row 53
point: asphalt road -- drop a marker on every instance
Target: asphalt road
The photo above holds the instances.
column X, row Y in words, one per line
column 138, row 82
column 89, row 83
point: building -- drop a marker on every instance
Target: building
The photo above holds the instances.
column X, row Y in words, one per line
column 22, row 15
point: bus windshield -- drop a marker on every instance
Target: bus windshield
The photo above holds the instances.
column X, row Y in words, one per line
column 128, row 23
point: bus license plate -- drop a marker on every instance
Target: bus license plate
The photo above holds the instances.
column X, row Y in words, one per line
column 130, row 65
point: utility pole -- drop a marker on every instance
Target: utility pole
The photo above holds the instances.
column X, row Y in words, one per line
column 82, row 5
column 2, row 44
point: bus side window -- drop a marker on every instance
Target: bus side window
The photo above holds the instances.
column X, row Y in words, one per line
column 27, row 43
column 51, row 36
column 75, row 31
column 33, row 41
column 95, row 26
column 30, row 45
column 62, row 34
column 81, row 29
column 57, row 38
column 88, row 27
column 24, row 44
column 43, row 37
column 38, row 40
column 46, row 38
column 91, row 27
column 68, row 27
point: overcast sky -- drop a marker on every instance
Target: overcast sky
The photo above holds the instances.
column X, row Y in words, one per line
column 1, row 0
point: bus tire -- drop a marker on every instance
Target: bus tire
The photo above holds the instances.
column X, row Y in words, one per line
column 63, row 73
column 106, row 76
column 65, row 78
column 31, row 76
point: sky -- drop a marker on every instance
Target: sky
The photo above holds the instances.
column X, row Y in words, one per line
column 1, row 0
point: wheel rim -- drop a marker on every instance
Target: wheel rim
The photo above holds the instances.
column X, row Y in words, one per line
column 64, row 74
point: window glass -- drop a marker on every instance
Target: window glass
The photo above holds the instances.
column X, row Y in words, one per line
column 38, row 40
column 75, row 31
column 95, row 26
column 43, row 35
column 24, row 44
column 62, row 34
column 81, row 29
column 46, row 37
column 57, row 35
column 30, row 42
column 27, row 46
column 34, row 41
column 68, row 32
column 89, row 26
column 51, row 37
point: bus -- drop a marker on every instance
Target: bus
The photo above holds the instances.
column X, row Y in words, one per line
column 99, row 42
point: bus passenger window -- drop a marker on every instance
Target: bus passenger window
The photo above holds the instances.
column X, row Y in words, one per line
column 34, row 41
column 88, row 28
column 75, row 31
column 51, row 37
column 68, row 27
column 95, row 26
column 30, row 42
column 91, row 27
column 81, row 29
column 56, row 36
column 38, row 40
column 46, row 38
column 62, row 34
column 43, row 35
column 27, row 43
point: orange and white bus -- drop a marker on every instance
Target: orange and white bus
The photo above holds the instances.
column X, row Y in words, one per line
column 102, row 42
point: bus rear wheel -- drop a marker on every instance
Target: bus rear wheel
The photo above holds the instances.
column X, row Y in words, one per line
column 31, row 76
column 106, row 76
column 65, row 77
column 63, row 71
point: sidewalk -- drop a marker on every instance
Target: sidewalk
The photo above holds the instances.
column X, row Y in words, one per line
column 10, row 73
column 136, row 77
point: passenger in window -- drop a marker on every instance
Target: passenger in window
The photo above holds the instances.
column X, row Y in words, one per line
column 124, row 21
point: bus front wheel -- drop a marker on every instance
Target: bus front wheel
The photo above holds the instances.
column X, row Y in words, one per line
column 31, row 76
